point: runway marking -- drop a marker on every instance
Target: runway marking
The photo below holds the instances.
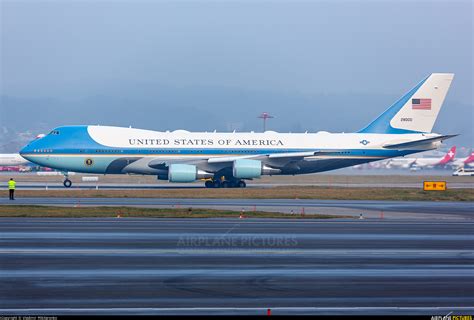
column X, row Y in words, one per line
column 171, row 235
column 273, row 308
column 464, row 272
column 151, row 228
column 243, row 250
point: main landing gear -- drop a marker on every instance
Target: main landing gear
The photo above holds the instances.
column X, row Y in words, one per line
column 67, row 183
column 230, row 183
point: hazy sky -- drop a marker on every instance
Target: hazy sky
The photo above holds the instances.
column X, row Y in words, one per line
column 76, row 49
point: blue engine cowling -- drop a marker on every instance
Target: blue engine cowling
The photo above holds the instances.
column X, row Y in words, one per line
column 247, row 169
column 182, row 173
column 186, row 173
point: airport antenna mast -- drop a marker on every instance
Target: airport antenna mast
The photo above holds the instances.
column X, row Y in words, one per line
column 265, row 116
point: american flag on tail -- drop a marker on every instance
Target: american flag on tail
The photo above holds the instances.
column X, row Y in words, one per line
column 421, row 104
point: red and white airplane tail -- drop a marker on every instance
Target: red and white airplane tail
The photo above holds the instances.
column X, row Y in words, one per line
column 466, row 162
column 448, row 157
column 469, row 159
column 436, row 162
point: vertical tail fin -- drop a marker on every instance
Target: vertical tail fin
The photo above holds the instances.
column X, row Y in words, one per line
column 469, row 159
column 448, row 157
column 417, row 110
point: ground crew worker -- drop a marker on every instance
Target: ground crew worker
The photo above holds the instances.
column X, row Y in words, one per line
column 11, row 188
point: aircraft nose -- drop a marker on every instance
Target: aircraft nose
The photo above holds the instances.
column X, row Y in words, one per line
column 28, row 149
column 24, row 150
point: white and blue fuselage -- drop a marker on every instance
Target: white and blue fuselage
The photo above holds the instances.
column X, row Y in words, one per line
column 181, row 156
column 114, row 150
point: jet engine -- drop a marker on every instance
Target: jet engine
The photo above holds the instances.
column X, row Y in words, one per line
column 186, row 173
column 248, row 169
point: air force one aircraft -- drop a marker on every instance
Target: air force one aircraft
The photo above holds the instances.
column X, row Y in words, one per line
column 228, row 159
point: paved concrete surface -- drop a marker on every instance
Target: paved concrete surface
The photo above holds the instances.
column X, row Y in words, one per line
column 147, row 186
column 232, row 266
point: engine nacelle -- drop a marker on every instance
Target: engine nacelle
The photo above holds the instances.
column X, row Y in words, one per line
column 186, row 173
column 248, row 169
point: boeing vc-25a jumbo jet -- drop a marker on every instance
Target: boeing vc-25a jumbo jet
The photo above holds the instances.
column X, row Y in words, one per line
column 227, row 159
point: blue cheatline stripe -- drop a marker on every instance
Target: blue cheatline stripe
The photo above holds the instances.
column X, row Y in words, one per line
column 382, row 123
column 165, row 151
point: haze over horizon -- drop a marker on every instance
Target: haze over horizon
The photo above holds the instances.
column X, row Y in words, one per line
column 204, row 65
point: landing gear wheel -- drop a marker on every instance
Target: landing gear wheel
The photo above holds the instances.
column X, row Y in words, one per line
column 241, row 184
column 216, row 184
column 67, row 183
column 225, row 184
column 209, row 184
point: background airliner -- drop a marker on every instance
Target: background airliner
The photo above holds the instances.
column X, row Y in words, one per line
column 466, row 162
column 227, row 159
column 420, row 162
column 433, row 163
column 12, row 159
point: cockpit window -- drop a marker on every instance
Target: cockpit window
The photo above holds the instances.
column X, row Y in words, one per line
column 54, row 132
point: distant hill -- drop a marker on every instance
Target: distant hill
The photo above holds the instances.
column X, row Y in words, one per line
column 208, row 109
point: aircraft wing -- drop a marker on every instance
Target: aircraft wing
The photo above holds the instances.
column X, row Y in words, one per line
column 220, row 161
column 164, row 163
column 271, row 156
column 214, row 164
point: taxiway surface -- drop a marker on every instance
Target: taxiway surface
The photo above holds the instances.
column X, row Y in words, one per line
column 221, row 266
column 150, row 186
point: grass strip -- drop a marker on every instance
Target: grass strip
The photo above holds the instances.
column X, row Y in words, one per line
column 132, row 212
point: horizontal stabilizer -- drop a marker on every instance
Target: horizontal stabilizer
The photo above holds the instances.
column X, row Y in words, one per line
column 416, row 143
